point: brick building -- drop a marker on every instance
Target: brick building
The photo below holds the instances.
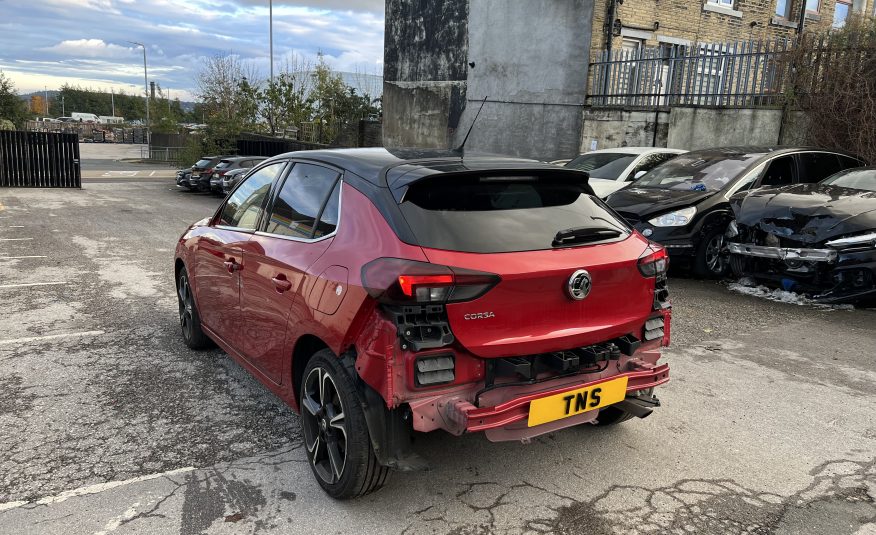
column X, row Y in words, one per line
column 674, row 23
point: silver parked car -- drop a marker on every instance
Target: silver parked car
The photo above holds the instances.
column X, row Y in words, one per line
column 612, row 169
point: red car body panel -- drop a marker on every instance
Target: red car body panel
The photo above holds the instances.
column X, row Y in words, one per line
column 260, row 296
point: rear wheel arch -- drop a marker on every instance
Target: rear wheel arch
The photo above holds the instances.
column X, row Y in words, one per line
column 305, row 348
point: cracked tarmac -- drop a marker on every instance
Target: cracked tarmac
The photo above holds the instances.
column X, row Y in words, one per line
column 767, row 427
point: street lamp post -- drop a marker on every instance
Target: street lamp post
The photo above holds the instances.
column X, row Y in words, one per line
column 145, row 86
column 271, row 46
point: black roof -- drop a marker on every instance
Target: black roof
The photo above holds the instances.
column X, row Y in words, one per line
column 385, row 167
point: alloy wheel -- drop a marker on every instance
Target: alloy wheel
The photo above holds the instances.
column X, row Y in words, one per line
column 716, row 259
column 184, row 292
column 325, row 429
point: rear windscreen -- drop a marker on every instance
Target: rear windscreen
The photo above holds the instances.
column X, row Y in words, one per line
column 489, row 214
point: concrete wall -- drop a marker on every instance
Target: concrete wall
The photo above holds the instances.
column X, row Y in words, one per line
column 699, row 128
column 424, row 71
column 530, row 59
column 690, row 128
column 612, row 128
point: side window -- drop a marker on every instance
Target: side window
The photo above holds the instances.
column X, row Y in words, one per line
column 246, row 204
column 816, row 166
column 747, row 182
column 779, row 173
column 848, row 162
column 301, row 199
column 328, row 222
column 650, row 162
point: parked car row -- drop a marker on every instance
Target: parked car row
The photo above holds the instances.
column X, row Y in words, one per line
column 800, row 218
column 216, row 174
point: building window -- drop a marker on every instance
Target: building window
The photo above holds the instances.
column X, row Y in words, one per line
column 783, row 9
column 812, row 6
column 841, row 13
column 723, row 3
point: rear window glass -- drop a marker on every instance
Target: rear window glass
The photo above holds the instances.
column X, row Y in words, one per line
column 223, row 164
column 485, row 214
column 606, row 165
column 201, row 163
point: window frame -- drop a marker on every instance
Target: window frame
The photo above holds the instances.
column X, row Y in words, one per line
column 275, row 192
column 788, row 10
column 218, row 214
column 851, row 9
column 817, row 9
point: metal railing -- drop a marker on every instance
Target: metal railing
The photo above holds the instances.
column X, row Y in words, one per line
column 736, row 74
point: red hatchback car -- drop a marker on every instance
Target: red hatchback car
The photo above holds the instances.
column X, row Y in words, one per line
column 386, row 292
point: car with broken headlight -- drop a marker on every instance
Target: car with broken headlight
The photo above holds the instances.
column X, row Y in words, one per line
column 815, row 239
column 684, row 204
column 383, row 293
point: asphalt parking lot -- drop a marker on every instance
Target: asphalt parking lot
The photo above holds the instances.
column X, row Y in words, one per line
column 109, row 424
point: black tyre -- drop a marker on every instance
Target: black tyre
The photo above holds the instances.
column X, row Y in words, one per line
column 336, row 438
column 189, row 319
column 711, row 258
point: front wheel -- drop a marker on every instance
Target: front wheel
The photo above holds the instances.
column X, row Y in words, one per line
column 336, row 438
column 711, row 258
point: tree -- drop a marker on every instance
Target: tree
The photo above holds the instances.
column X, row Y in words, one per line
column 228, row 89
column 834, row 84
column 12, row 108
column 287, row 102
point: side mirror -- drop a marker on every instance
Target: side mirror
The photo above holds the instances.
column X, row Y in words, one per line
column 638, row 175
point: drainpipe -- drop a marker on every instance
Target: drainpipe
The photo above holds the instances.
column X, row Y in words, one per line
column 609, row 37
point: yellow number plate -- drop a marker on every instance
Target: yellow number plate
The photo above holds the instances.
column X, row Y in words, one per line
column 574, row 402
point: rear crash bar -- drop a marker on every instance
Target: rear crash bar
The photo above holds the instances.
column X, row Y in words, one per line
column 784, row 253
column 461, row 416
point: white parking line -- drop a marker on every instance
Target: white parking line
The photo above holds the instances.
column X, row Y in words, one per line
column 92, row 489
column 20, row 257
column 48, row 337
column 26, row 284
column 16, row 226
column 15, row 239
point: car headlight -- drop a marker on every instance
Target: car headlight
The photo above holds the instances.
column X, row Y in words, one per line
column 861, row 240
column 678, row 218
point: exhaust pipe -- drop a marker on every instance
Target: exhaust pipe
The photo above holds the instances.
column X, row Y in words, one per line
column 638, row 407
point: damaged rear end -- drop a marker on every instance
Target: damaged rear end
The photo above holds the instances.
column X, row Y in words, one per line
column 533, row 308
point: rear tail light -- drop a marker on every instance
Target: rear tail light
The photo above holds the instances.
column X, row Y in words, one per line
column 654, row 262
column 435, row 370
column 399, row 281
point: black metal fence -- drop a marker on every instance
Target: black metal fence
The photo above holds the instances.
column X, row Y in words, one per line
column 39, row 160
column 256, row 145
column 739, row 74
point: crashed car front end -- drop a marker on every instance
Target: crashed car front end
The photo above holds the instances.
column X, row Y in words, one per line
column 812, row 239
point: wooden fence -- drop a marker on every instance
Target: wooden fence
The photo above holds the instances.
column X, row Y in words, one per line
column 39, row 160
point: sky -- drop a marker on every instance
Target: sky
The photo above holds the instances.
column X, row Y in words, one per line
column 47, row 43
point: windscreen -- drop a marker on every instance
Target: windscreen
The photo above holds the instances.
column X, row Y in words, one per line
column 605, row 165
column 864, row 179
column 488, row 214
column 697, row 172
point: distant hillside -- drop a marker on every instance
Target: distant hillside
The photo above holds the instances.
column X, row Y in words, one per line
column 187, row 106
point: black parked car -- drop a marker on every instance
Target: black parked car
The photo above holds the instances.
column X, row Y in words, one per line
column 199, row 179
column 684, row 205
column 231, row 164
column 817, row 239
column 182, row 178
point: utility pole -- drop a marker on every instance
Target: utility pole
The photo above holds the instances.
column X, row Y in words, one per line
column 145, row 86
column 46, row 89
column 113, row 100
column 271, row 47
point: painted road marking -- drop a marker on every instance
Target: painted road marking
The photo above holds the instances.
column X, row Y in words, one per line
column 16, row 226
column 48, row 337
column 20, row 257
column 92, row 489
column 15, row 239
column 23, row 285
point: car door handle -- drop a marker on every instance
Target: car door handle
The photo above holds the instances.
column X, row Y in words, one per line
column 232, row 266
column 281, row 283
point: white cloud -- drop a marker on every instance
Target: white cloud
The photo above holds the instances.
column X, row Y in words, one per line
column 90, row 48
